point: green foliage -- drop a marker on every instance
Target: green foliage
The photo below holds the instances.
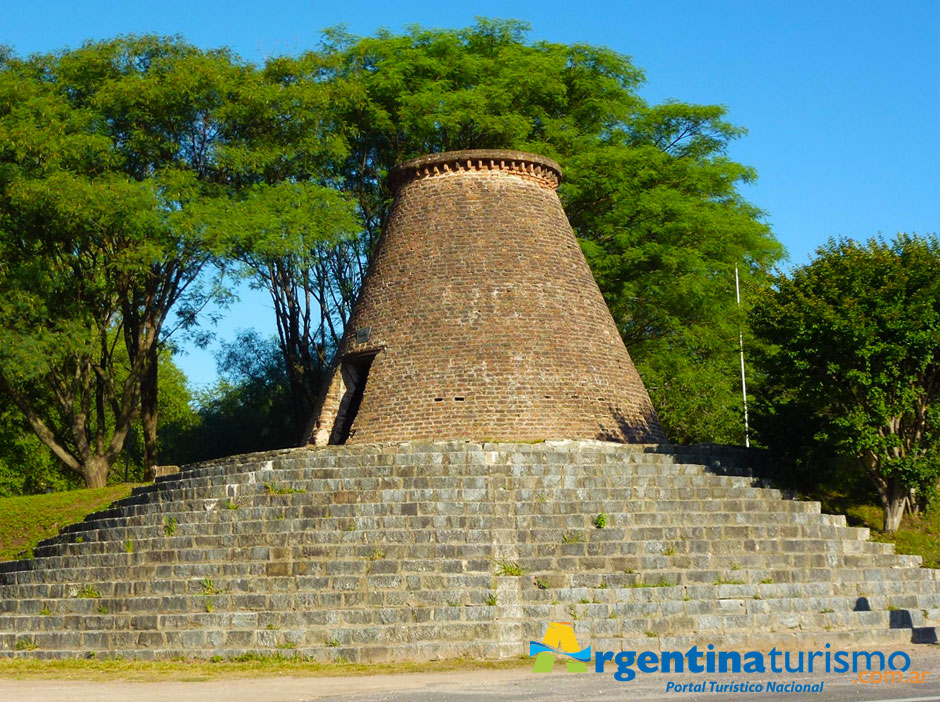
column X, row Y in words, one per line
column 179, row 424
column 504, row 567
column 169, row 526
column 88, row 592
column 106, row 148
column 600, row 521
column 853, row 361
column 27, row 466
column 275, row 489
column 249, row 408
column 209, row 589
column 663, row 227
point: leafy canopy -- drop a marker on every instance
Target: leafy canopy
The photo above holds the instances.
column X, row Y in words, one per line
column 854, row 343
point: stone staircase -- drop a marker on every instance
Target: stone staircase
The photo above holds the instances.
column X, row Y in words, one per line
column 422, row 551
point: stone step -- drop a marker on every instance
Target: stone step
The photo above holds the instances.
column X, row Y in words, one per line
column 464, row 529
column 453, row 459
column 103, row 558
column 138, row 578
column 53, row 614
column 488, row 650
column 570, row 477
column 208, row 635
column 424, row 576
column 185, row 534
column 637, row 515
column 637, row 512
column 309, row 492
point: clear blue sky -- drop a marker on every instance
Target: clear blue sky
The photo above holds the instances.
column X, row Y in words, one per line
column 841, row 99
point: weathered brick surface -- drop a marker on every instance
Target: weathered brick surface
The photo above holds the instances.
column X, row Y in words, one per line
column 485, row 318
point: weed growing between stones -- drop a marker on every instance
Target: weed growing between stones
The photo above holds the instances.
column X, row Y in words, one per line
column 275, row 489
column 209, row 589
column 508, row 568
column 88, row 592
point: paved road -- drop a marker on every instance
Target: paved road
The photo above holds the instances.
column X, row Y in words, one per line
column 472, row 686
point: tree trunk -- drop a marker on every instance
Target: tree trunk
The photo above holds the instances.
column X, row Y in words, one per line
column 893, row 500
column 148, row 414
column 95, row 472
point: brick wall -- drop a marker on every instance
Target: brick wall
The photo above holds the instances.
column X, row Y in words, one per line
column 484, row 317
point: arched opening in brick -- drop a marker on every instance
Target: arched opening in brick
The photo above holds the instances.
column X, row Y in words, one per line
column 355, row 371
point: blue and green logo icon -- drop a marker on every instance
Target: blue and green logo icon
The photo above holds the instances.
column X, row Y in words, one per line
column 559, row 641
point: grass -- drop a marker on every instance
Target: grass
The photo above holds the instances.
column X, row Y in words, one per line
column 919, row 534
column 27, row 520
column 662, row 583
column 169, row 526
column 209, row 589
column 509, row 568
column 253, row 666
column 275, row 489
column 572, row 537
column 88, row 592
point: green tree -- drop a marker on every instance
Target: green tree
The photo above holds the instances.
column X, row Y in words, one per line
column 27, row 466
column 178, row 418
column 103, row 150
column 245, row 410
column 287, row 237
column 854, row 348
column 664, row 227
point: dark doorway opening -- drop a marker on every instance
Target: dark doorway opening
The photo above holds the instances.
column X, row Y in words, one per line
column 355, row 372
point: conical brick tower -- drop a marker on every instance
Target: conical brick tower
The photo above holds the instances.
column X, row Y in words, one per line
column 480, row 319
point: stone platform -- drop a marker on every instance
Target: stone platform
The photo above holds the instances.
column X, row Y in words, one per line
column 432, row 550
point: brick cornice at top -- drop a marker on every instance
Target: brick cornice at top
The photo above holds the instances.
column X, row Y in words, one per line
column 544, row 170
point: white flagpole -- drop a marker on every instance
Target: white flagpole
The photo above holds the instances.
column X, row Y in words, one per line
column 737, row 293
